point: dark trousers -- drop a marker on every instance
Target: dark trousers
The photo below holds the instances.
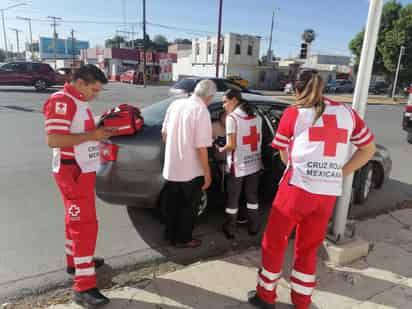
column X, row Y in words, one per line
column 182, row 201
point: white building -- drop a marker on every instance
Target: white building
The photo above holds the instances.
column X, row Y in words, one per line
column 330, row 66
column 239, row 56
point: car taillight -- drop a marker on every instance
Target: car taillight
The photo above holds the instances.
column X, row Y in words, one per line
column 408, row 108
column 108, row 152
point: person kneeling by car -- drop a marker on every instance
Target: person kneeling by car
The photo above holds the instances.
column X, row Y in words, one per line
column 244, row 139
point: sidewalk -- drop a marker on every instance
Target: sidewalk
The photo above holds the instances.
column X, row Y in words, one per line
column 382, row 280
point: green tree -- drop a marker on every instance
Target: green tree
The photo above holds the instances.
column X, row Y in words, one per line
column 160, row 40
column 114, row 42
column 2, row 55
column 182, row 41
column 395, row 31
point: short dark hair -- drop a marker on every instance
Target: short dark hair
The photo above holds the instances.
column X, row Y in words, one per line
column 90, row 73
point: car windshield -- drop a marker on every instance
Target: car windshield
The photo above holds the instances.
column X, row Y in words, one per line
column 187, row 84
column 154, row 114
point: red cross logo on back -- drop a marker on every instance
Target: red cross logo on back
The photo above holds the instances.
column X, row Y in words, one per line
column 252, row 140
column 329, row 134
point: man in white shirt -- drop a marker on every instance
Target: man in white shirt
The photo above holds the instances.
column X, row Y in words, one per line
column 187, row 132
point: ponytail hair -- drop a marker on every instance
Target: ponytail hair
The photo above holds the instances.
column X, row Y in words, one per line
column 309, row 92
column 243, row 104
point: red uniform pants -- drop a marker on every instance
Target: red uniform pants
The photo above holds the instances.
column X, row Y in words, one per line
column 78, row 194
column 310, row 214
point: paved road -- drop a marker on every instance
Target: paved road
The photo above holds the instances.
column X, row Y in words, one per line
column 31, row 214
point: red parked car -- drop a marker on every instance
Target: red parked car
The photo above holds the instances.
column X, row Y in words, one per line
column 407, row 118
column 132, row 77
column 39, row 75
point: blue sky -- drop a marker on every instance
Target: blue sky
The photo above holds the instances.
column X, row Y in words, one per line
column 335, row 21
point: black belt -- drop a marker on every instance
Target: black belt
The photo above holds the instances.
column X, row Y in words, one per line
column 68, row 161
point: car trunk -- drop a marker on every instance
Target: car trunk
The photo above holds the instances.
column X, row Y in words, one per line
column 131, row 168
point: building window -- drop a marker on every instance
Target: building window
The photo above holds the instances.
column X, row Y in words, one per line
column 237, row 50
column 197, row 49
column 222, row 48
column 209, row 48
column 250, row 50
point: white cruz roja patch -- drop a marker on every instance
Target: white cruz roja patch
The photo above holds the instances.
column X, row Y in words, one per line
column 74, row 211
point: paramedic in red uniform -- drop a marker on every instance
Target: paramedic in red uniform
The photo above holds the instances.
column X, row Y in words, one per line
column 243, row 147
column 313, row 137
column 71, row 132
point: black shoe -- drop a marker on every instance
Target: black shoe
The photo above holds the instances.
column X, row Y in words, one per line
column 98, row 262
column 241, row 220
column 90, row 299
column 254, row 300
column 228, row 233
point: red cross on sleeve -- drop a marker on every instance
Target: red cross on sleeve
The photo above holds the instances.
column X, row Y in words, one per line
column 58, row 113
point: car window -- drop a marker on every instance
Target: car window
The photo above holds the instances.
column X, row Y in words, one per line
column 8, row 67
column 187, row 84
column 15, row 67
column 154, row 114
column 233, row 86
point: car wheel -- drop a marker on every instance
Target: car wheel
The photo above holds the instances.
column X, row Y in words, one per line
column 201, row 209
column 40, row 85
column 363, row 184
column 409, row 137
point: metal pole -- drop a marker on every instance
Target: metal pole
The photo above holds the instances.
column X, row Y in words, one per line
column 16, row 31
column 31, row 35
column 219, row 34
column 359, row 103
column 31, row 41
column 132, row 36
column 144, row 43
column 395, row 82
column 269, row 55
column 4, row 34
column 73, row 48
column 54, row 24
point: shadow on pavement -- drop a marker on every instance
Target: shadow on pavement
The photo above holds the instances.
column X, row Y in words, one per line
column 382, row 200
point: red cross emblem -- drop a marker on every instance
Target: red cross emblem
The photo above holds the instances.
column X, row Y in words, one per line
column 61, row 108
column 74, row 210
column 329, row 134
column 252, row 140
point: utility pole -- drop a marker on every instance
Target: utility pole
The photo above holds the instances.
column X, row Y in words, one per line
column 359, row 104
column 395, row 82
column 219, row 34
column 132, row 36
column 17, row 39
column 73, row 49
column 270, row 52
column 144, row 43
column 4, row 24
column 54, row 25
column 31, row 35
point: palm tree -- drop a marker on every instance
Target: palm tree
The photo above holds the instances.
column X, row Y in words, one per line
column 309, row 36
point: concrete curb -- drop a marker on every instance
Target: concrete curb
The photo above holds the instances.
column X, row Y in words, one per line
column 214, row 244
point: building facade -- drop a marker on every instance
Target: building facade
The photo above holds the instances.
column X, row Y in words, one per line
column 115, row 61
column 239, row 55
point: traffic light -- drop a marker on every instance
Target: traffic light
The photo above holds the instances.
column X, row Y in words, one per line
column 303, row 51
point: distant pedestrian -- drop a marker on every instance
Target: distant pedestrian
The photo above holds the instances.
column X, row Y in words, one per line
column 187, row 132
column 244, row 161
column 313, row 138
